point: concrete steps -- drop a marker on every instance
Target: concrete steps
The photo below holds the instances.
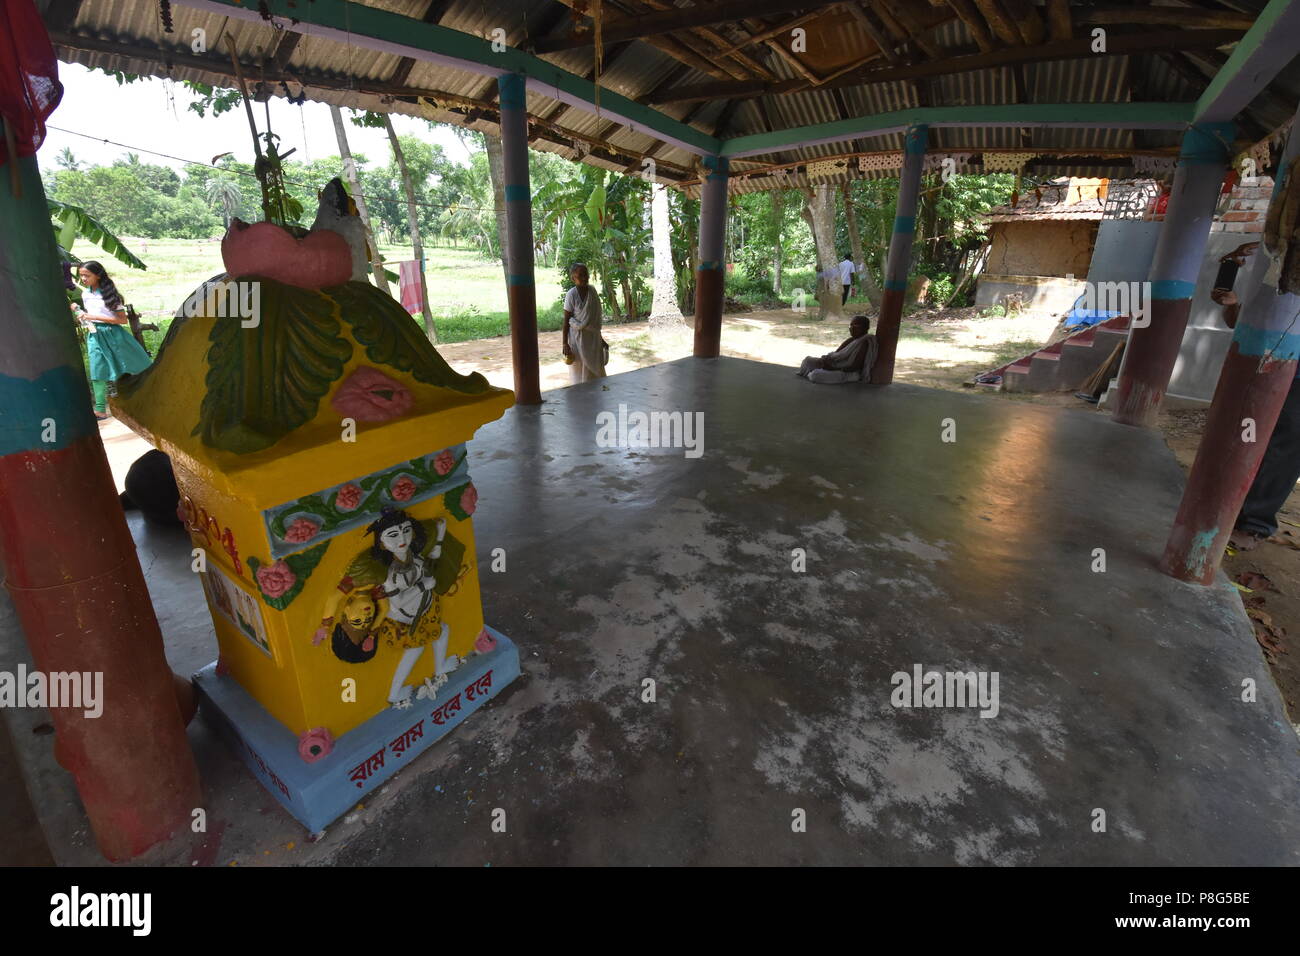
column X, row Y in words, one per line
column 1065, row 365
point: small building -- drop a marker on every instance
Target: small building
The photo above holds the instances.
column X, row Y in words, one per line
column 1041, row 246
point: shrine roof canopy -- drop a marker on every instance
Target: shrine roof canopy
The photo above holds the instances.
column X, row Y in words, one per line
column 774, row 85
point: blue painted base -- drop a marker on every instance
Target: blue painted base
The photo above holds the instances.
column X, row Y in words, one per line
column 365, row 757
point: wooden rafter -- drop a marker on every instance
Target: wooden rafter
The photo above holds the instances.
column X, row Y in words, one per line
column 614, row 54
column 710, row 43
column 874, row 29
column 905, row 15
column 1146, row 42
column 1000, row 22
column 770, row 33
column 1185, row 17
column 1059, row 21
column 975, row 24
column 674, row 19
column 433, row 14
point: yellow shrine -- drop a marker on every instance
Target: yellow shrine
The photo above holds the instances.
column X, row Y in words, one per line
column 319, row 445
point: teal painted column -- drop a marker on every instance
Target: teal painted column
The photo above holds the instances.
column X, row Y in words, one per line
column 900, row 254
column 521, row 291
column 69, row 562
column 1152, row 350
column 1257, row 374
column 710, row 277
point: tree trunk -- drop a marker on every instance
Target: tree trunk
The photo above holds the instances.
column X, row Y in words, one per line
column 497, row 173
column 778, row 213
column 819, row 212
column 412, row 214
column 864, row 276
column 664, row 312
column 974, row 262
column 354, row 183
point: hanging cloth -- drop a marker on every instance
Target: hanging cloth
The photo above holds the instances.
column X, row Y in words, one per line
column 29, row 78
column 408, row 280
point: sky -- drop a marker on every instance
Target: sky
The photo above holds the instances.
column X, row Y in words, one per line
column 153, row 116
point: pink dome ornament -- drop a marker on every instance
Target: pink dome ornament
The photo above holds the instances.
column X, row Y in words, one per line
column 315, row 744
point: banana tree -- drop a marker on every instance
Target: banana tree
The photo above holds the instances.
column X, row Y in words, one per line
column 72, row 223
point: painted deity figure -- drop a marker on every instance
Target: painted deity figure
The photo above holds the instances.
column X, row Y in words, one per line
column 391, row 594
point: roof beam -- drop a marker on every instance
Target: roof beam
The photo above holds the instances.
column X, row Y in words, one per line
column 375, row 29
column 668, row 21
column 402, row 72
column 1150, row 42
column 975, row 24
column 1266, row 48
column 1185, row 17
column 874, row 30
column 1073, row 115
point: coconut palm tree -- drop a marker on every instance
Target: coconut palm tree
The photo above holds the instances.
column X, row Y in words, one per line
column 226, row 194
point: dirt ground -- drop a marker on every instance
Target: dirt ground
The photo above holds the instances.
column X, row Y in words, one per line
column 936, row 349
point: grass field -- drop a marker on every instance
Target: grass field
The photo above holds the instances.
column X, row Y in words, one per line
column 467, row 293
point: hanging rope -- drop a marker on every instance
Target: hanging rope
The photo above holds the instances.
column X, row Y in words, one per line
column 598, row 54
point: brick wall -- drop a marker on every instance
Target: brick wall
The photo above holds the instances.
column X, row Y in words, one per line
column 1245, row 212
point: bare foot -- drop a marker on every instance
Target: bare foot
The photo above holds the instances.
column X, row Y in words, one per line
column 1245, row 540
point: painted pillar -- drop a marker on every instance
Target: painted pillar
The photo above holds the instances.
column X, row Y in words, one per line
column 69, row 561
column 710, row 278
column 520, row 289
column 1253, row 384
column 1153, row 347
column 900, row 254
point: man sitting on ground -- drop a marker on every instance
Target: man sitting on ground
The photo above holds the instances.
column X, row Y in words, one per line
column 851, row 362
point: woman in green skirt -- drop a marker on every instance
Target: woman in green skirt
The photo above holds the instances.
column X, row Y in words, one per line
column 113, row 351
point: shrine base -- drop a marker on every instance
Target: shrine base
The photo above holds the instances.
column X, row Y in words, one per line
column 363, row 759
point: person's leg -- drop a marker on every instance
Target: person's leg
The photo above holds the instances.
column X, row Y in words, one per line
column 823, row 376
column 100, row 389
column 1278, row 472
column 398, row 691
column 808, row 365
column 846, row 295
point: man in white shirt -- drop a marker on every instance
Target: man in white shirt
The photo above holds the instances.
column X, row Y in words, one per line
column 847, row 272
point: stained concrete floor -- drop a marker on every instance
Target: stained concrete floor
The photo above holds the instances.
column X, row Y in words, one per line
column 1119, row 691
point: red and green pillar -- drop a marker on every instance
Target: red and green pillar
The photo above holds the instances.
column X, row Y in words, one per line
column 1153, row 348
column 70, row 565
column 1253, row 384
column 521, row 290
column 900, row 253
column 710, row 277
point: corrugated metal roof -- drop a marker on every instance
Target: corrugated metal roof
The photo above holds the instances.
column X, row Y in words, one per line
column 127, row 35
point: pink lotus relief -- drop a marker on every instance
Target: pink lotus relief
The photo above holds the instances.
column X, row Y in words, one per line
column 403, row 489
column 302, row 529
column 485, row 643
column 349, row 497
column 315, row 744
column 469, row 500
column 276, row 580
column 444, row 462
column 368, row 395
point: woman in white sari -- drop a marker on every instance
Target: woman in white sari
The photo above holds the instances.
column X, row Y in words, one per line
column 583, row 347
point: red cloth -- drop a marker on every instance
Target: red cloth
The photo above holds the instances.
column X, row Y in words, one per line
column 29, row 76
column 409, row 283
